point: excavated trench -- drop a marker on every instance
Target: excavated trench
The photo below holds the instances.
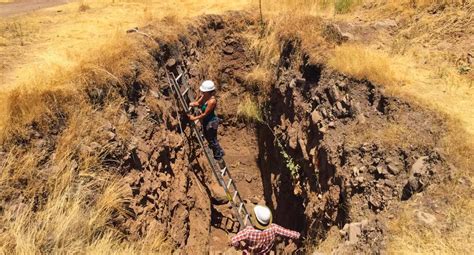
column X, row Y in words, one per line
column 357, row 150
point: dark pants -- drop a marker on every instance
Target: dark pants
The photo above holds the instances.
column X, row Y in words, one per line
column 210, row 133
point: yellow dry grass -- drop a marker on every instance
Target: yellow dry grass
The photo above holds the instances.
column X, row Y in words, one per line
column 365, row 63
column 50, row 56
column 248, row 110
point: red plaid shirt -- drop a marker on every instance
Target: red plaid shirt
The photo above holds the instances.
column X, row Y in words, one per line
column 261, row 241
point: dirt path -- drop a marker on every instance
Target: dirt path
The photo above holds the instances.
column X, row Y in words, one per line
column 22, row 6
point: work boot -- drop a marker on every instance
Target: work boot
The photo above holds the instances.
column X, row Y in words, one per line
column 220, row 163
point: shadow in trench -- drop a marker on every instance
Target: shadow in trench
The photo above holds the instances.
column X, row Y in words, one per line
column 277, row 184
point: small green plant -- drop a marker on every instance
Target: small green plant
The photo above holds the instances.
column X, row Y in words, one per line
column 290, row 162
column 464, row 69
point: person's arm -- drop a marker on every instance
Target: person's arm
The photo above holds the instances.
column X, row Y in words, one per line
column 286, row 232
column 197, row 102
column 211, row 104
column 241, row 236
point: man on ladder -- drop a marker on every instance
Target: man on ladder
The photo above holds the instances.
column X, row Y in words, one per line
column 261, row 238
column 209, row 120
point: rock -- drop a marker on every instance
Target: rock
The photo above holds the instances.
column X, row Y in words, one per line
column 332, row 124
column 228, row 50
column 131, row 109
column 420, row 167
column 413, row 185
column 390, row 23
column 425, row 218
column 393, row 169
column 40, row 143
column 292, row 83
column 354, row 231
column 171, row 62
column 365, row 147
column 372, row 169
column 355, row 171
column 375, row 201
column 332, row 32
column 360, row 180
column 110, row 135
column 334, row 94
column 381, row 170
column 347, row 36
column 339, row 107
column 255, row 200
column 316, row 117
column 248, row 178
column 154, row 94
column 300, row 81
column 324, row 113
column 95, row 146
column 361, row 119
column 390, row 183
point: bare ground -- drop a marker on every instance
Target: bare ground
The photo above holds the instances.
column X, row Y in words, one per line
column 23, row 6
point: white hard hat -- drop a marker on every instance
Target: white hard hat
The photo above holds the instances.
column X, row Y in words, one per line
column 207, row 86
column 263, row 216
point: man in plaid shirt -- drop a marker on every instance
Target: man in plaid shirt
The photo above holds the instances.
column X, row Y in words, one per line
column 260, row 240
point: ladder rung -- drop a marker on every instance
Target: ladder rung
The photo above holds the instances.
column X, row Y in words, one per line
column 179, row 76
column 240, row 207
column 185, row 91
column 247, row 217
column 229, row 183
column 223, row 171
column 235, row 195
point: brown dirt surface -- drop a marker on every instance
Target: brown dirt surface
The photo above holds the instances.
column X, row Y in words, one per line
column 23, row 6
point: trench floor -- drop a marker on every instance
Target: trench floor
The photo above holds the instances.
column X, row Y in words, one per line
column 240, row 146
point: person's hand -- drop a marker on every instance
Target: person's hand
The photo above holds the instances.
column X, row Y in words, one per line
column 192, row 117
column 193, row 104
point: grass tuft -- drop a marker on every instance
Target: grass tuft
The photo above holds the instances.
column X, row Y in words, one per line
column 248, row 110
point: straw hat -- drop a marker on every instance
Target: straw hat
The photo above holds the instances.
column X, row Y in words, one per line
column 261, row 217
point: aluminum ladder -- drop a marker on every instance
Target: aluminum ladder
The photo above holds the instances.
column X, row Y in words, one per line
column 184, row 95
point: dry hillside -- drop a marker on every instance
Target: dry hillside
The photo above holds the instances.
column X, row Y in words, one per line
column 352, row 119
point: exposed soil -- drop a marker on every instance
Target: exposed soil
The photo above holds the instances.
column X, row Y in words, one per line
column 360, row 151
column 23, row 6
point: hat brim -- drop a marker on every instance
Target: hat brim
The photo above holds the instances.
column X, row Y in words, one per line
column 259, row 225
column 206, row 90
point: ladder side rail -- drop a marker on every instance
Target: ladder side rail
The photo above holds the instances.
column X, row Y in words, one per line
column 234, row 186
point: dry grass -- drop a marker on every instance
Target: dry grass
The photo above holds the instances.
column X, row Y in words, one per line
column 391, row 135
column 364, row 63
column 451, row 202
column 248, row 110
